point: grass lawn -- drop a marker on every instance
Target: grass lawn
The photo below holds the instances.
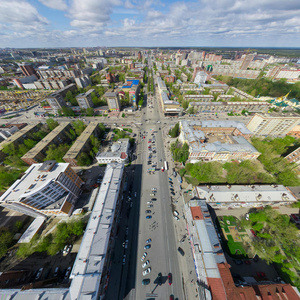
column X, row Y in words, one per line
column 226, row 221
column 235, row 248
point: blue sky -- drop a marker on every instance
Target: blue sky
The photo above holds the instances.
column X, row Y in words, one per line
column 84, row 23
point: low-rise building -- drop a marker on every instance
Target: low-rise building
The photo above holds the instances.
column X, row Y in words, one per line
column 56, row 137
column 227, row 141
column 47, row 188
column 82, row 143
column 238, row 196
column 214, row 277
column 118, row 153
column 228, row 107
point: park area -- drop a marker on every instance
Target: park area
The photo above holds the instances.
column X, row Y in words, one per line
column 234, row 235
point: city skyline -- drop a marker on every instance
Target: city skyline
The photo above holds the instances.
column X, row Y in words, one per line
column 88, row 23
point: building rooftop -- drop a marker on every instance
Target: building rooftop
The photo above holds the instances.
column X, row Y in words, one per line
column 245, row 193
column 118, row 149
column 88, row 266
column 81, row 141
column 34, row 179
column 18, row 135
column 46, row 141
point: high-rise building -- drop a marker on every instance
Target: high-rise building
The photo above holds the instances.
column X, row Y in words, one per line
column 140, row 55
column 247, row 59
column 56, row 101
column 83, row 81
column 273, row 124
column 47, row 188
column 113, row 100
column 28, row 70
column 196, row 70
column 85, row 99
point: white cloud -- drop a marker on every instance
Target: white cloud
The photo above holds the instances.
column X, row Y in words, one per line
column 20, row 12
column 55, row 4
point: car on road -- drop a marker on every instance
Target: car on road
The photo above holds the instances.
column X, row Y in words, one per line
column 39, row 274
column 148, row 246
column 152, row 194
column 144, row 256
column 149, row 202
column 153, row 199
column 146, row 281
column 176, row 218
column 124, row 259
column 147, row 271
column 67, row 249
column 175, row 213
column 145, row 264
column 148, row 211
column 148, row 241
column 170, row 278
column 149, row 217
column 154, row 189
column 180, row 250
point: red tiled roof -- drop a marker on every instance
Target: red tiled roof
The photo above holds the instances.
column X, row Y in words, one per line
column 217, row 289
column 263, row 292
column 196, row 213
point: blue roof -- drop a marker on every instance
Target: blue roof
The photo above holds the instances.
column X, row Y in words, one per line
column 133, row 82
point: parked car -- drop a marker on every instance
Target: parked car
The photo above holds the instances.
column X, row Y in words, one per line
column 146, row 281
column 148, row 246
column 175, row 213
column 148, row 241
column 149, row 217
column 144, row 256
column 67, row 274
column 39, row 274
column 180, row 250
column 146, row 263
column 147, row 271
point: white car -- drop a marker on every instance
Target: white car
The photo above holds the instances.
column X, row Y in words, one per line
column 149, row 206
column 175, row 213
column 147, row 271
column 144, row 256
column 176, row 218
column 154, row 189
column 149, row 202
column 146, row 263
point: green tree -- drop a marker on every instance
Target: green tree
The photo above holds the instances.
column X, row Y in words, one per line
column 174, row 132
column 51, row 123
column 90, row 112
column 84, row 159
column 66, row 111
column 79, row 127
column 57, row 152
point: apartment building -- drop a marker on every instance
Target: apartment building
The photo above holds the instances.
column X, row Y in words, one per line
column 18, row 137
column 238, row 196
column 85, row 99
column 47, row 188
column 56, row 137
column 81, row 144
column 230, row 106
column 113, row 100
column 273, row 124
column 83, row 81
column 56, row 101
column 294, row 157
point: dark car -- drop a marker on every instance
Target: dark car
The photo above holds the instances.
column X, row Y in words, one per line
column 180, row 250
column 145, row 281
column 170, row 278
column 172, row 297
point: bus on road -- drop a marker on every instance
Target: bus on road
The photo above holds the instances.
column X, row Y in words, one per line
column 166, row 165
